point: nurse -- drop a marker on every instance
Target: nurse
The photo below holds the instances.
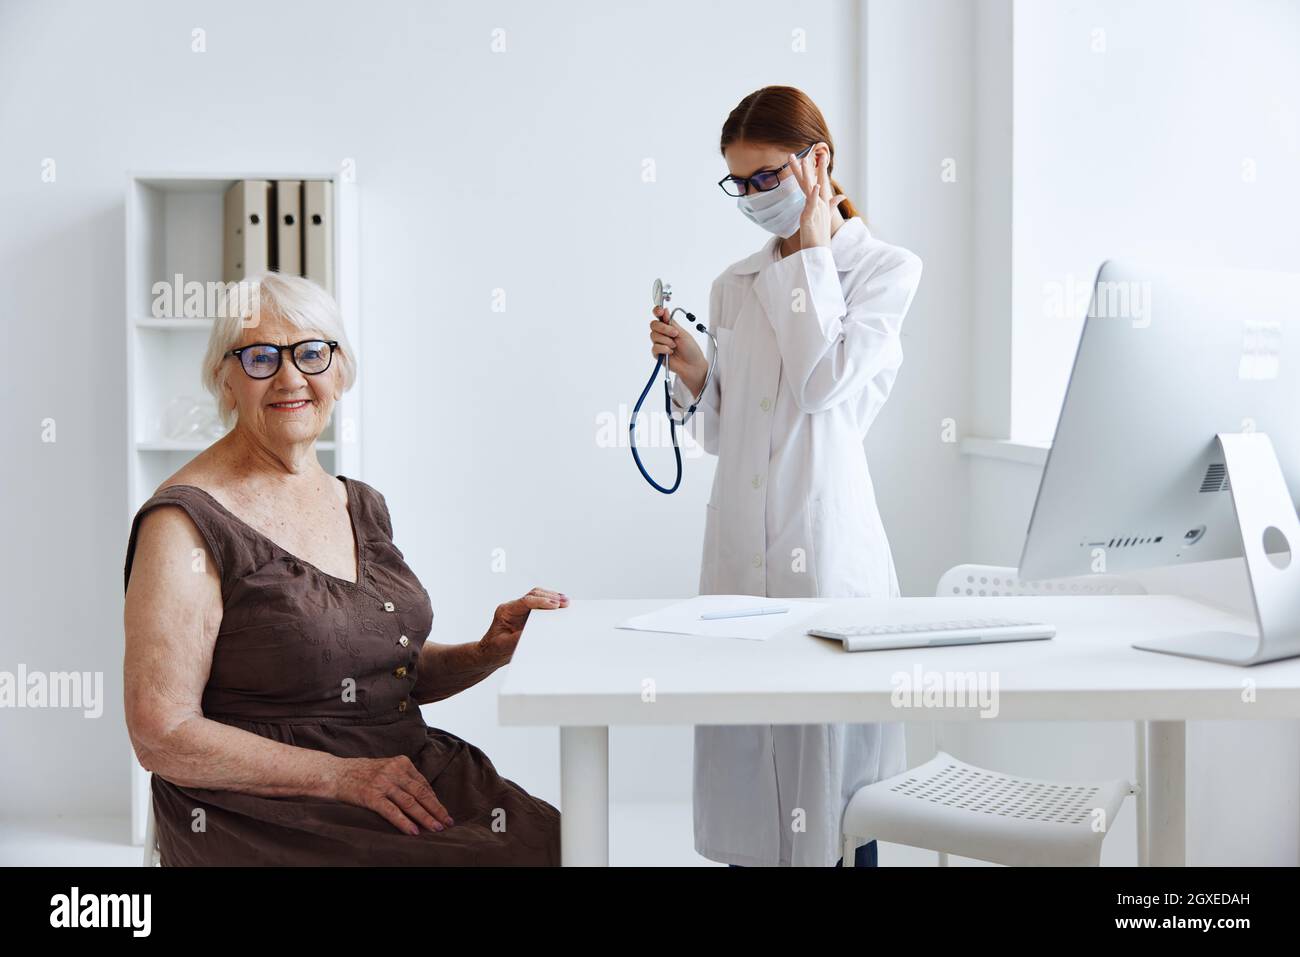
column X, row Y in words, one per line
column 808, row 349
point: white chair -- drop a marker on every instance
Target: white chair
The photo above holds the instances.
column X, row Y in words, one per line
column 981, row 580
column 949, row 806
column 151, row 856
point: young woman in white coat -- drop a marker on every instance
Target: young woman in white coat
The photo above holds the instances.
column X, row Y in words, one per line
column 808, row 349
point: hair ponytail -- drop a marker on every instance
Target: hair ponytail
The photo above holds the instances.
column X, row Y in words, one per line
column 846, row 207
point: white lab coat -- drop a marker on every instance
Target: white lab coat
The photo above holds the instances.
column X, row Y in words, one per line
column 808, row 348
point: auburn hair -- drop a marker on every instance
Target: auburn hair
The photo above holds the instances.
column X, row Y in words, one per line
column 783, row 116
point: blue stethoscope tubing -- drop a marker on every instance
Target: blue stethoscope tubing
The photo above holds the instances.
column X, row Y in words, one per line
column 668, row 407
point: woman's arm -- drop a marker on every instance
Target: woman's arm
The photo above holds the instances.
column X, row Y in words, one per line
column 832, row 348
column 173, row 613
column 445, row 670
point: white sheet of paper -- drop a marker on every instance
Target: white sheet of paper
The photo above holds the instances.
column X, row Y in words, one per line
column 683, row 618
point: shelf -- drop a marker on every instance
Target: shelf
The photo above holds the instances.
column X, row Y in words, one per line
column 174, row 182
column 175, row 325
column 1026, row 453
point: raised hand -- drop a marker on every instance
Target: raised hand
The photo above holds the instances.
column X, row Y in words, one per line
column 508, row 621
column 820, row 218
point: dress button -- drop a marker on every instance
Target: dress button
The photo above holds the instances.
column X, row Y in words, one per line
column 758, row 560
column 756, row 481
column 765, row 404
column 388, row 606
column 399, row 672
column 401, row 705
column 403, row 641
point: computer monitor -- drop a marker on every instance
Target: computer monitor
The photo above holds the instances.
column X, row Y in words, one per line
column 1179, row 441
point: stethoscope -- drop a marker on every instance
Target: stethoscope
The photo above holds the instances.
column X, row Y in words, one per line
column 661, row 293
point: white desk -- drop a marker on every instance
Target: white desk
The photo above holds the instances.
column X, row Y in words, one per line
column 576, row 670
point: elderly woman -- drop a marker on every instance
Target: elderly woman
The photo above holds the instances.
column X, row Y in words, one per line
column 275, row 639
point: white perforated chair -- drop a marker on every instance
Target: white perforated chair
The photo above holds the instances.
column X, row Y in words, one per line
column 992, row 580
column 951, row 807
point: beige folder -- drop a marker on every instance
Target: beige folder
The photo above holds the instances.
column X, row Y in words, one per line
column 288, row 226
column 246, row 249
column 318, row 233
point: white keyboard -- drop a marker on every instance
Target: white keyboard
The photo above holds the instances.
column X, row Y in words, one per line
column 920, row 634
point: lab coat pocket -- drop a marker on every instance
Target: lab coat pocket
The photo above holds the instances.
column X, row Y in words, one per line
column 842, row 552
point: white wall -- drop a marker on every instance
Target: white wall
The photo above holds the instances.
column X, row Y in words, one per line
column 920, row 113
column 519, row 171
column 1165, row 130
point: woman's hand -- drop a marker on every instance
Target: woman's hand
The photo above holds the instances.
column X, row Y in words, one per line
column 393, row 789
column 685, row 357
column 508, row 622
column 820, row 218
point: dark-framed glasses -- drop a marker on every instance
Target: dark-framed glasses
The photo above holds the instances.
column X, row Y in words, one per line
column 261, row 360
column 762, row 181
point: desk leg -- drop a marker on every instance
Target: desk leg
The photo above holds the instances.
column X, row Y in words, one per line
column 584, row 797
column 1167, row 804
column 1144, row 791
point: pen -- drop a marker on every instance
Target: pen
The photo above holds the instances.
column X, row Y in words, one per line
column 744, row 614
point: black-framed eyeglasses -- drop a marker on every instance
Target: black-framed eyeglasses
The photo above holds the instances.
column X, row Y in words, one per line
column 762, row 181
column 261, row 360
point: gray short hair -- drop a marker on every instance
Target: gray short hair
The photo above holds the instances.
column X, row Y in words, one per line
column 299, row 302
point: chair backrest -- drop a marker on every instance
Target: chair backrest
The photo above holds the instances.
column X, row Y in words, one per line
column 987, row 580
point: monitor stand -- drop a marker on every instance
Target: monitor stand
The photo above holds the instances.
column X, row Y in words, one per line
column 1266, row 521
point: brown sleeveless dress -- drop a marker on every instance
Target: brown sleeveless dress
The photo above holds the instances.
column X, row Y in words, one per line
column 292, row 640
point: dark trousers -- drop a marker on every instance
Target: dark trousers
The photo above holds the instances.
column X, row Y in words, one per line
column 864, row 856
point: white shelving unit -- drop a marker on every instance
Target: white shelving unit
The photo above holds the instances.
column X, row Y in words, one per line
column 174, row 226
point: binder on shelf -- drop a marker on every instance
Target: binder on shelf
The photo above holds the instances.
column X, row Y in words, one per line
column 246, row 250
column 318, row 233
column 288, row 227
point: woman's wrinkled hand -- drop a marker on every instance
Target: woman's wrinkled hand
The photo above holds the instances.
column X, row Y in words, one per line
column 394, row 789
column 508, row 622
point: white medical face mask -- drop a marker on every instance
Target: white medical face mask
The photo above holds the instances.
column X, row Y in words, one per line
column 778, row 210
